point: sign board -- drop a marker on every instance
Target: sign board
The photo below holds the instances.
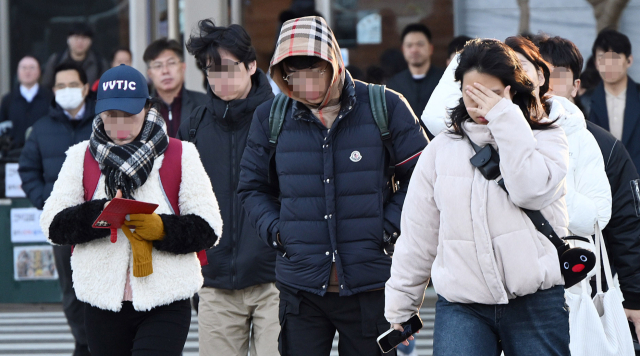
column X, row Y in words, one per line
column 25, row 225
column 34, row 263
column 369, row 29
column 12, row 182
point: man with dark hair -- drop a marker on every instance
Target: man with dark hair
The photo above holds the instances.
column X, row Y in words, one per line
column 25, row 104
column 317, row 182
column 418, row 81
column 615, row 103
column 456, row 45
column 239, row 281
column 622, row 234
column 79, row 51
column 68, row 122
column 166, row 68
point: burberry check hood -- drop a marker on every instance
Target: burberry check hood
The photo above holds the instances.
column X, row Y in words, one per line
column 311, row 36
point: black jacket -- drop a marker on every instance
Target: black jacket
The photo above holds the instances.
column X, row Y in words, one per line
column 44, row 151
column 22, row 114
column 190, row 100
column 240, row 259
column 597, row 106
column 622, row 234
column 330, row 198
column 93, row 65
column 417, row 92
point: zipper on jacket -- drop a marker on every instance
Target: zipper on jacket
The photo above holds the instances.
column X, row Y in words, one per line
column 334, row 257
column 234, row 222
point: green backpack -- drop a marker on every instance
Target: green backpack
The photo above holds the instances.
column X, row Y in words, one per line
column 378, row 105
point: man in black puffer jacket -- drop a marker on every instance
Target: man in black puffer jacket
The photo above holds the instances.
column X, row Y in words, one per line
column 69, row 122
column 239, row 281
column 326, row 201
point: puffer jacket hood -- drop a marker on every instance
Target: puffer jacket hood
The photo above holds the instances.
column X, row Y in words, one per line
column 566, row 114
column 310, row 36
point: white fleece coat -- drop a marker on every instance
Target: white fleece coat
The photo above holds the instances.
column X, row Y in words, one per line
column 465, row 232
column 100, row 267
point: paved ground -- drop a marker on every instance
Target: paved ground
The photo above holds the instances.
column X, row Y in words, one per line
column 41, row 330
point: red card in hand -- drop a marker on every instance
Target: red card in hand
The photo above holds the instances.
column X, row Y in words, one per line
column 113, row 216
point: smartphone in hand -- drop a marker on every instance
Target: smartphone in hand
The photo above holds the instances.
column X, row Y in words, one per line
column 392, row 338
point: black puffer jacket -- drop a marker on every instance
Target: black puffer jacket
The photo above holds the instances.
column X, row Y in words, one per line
column 241, row 259
column 44, row 151
column 622, row 234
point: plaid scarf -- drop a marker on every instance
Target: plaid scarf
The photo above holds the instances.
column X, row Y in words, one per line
column 127, row 167
column 311, row 36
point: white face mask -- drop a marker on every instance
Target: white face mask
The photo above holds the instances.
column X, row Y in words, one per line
column 69, row 98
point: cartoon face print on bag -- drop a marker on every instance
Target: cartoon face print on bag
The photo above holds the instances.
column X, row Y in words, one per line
column 575, row 264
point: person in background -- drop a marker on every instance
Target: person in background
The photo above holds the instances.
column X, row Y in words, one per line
column 455, row 46
column 166, row 68
column 622, row 234
column 239, row 281
column 120, row 56
column 325, row 201
column 25, row 104
column 68, row 122
column 79, row 51
column 417, row 82
column 614, row 104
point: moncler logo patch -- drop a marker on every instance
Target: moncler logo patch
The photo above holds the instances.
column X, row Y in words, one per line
column 355, row 156
column 120, row 84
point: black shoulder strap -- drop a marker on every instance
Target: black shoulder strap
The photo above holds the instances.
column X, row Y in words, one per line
column 541, row 224
column 276, row 119
column 194, row 123
column 378, row 104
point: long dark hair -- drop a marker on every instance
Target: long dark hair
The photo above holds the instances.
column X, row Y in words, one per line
column 495, row 58
column 531, row 52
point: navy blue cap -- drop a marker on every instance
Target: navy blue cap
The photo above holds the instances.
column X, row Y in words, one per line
column 122, row 88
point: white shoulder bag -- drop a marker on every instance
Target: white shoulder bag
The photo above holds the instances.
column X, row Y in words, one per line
column 599, row 326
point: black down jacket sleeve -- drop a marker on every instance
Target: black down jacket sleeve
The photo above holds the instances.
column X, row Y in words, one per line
column 409, row 140
column 73, row 225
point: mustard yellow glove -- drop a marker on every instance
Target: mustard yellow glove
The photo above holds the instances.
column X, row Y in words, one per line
column 148, row 226
column 141, row 251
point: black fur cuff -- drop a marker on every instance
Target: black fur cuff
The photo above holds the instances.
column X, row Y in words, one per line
column 72, row 225
column 185, row 234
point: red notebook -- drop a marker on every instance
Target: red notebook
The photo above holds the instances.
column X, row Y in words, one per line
column 113, row 216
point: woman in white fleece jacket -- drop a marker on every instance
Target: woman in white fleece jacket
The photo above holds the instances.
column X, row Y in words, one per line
column 498, row 279
column 137, row 288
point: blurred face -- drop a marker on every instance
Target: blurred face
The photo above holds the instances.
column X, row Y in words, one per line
column 561, row 83
column 612, row 66
column 534, row 74
column 121, row 126
column 28, row 71
column 121, row 57
column 167, row 71
column 309, row 84
column 416, row 49
column 492, row 83
column 70, row 79
column 231, row 79
column 78, row 44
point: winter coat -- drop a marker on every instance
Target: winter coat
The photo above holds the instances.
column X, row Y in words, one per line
column 588, row 191
column 23, row 114
column 623, row 231
column 93, row 65
column 445, row 96
column 329, row 197
column 44, row 151
column 466, row 232
column 598, row 114
column 189, row 101
column 100, row 267
column 241, row 259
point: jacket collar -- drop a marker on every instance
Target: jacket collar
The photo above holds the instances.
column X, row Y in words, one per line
column 57, row 113
column 566, row 115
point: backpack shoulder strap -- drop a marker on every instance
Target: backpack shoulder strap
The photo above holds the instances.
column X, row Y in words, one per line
column 194, row 122
column 378, row 104
column 91, row 175
column 171, row 174
column 276, row 119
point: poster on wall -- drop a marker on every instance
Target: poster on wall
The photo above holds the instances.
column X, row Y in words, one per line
column 34, row 263
column 12, row 181
column 25, row 225
column 369, row 28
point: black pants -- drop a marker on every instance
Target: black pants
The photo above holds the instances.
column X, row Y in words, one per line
column 161, row 331
column 309, row 322
column 73, row 308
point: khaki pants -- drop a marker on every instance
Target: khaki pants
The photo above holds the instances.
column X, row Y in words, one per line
column 226, row 319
